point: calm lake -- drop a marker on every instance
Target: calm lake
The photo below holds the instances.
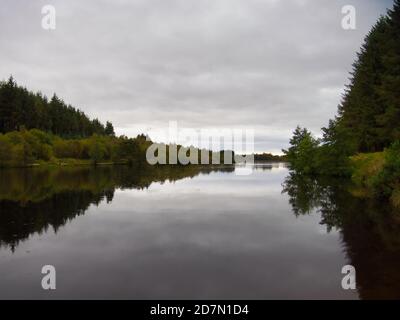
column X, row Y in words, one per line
column 191, row 233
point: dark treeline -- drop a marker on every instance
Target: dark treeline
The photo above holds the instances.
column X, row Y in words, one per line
column 22, row 108
column 260, row 157
column 368, row 116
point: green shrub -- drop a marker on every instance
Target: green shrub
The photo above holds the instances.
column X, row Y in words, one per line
column 388, row 180
column 22, row 154
column 5, row 151
column 97, row 150
column 366, row 167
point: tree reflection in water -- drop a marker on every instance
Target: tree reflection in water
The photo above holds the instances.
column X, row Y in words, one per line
column 33, row 200
column 370, row 230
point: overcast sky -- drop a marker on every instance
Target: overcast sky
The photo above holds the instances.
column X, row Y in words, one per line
column 262, row 64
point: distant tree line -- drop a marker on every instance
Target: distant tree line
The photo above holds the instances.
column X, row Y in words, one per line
column 35, row 130
column 26, row 147
column 22, row 108
column 260, row 157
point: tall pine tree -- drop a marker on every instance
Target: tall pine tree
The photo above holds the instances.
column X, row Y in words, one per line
column 370, row 108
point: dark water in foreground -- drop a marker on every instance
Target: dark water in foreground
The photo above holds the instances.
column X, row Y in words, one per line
column 191, row 233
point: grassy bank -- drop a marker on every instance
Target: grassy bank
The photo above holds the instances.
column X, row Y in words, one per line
column 377, row 175
column 75, row 162
column 24, row 148
column 66, row 162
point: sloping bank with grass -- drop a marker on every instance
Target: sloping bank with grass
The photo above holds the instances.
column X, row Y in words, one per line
column 362, row 142
column 25, row 148
column 35, row 130
column 378, row 174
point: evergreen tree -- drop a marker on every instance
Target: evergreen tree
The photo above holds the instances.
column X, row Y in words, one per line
column 109, row 130
column 389, row 88
column 369, row 114
column 22, row 108
column 302, row 151
column 370, row 108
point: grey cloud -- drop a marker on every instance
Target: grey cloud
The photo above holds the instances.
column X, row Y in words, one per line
column 266, row 64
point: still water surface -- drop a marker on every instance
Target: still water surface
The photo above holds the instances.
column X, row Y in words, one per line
column 191, row 233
